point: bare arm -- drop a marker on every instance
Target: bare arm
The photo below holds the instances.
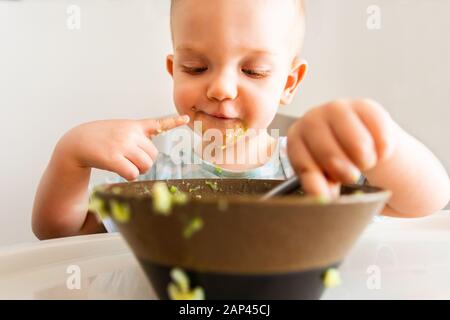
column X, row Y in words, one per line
column 335, row 142
column 418, row 180
column 61, row 202
column 120, row 146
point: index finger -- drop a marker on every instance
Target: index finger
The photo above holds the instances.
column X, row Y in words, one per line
column 312, row 179
column 152, row 126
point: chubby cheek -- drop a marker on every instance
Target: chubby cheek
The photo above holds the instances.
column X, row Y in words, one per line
column 261, row 115
column 261, row 108
column 186, row 95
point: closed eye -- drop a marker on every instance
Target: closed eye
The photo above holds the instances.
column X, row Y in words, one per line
column 256, row 73
column 194, row 70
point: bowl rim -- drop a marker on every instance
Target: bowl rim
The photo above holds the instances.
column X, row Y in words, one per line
column 376, row 194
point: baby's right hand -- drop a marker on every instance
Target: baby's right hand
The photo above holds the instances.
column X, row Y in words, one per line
column 120, row 146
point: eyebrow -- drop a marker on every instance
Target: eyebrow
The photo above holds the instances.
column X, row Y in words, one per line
column 184, row 48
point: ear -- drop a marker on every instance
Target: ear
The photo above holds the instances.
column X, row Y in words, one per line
column 169, row 64
column 298, row 72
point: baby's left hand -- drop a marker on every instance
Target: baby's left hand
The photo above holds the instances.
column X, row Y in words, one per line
column 338, row 141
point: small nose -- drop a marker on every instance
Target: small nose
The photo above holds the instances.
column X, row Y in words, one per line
column 222, row 87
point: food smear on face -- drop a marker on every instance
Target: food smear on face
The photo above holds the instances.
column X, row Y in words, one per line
column 233, row 135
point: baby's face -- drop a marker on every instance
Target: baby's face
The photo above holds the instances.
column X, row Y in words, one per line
column 232, row 60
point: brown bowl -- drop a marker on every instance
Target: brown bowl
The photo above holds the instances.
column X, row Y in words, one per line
column 229, row 244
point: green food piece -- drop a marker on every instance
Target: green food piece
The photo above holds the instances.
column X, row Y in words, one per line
column 146, row 190
column 180, row 278
column 332, row 278
column 212, row 185
column 162, row 198
column 240, row 132
column 175, row 294
column 194, row 189
column 194, row 225
column 179, row 288
column 218, row 170
column 120, row 211
column 116, row 190
column 97, row 206
column 180, row 198
column 173, row 189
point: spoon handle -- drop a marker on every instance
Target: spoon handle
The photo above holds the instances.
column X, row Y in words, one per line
column 286, row 187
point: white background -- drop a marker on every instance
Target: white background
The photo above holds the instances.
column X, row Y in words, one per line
column 53, row 78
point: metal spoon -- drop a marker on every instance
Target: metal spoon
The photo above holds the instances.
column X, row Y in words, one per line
column 286, row 187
